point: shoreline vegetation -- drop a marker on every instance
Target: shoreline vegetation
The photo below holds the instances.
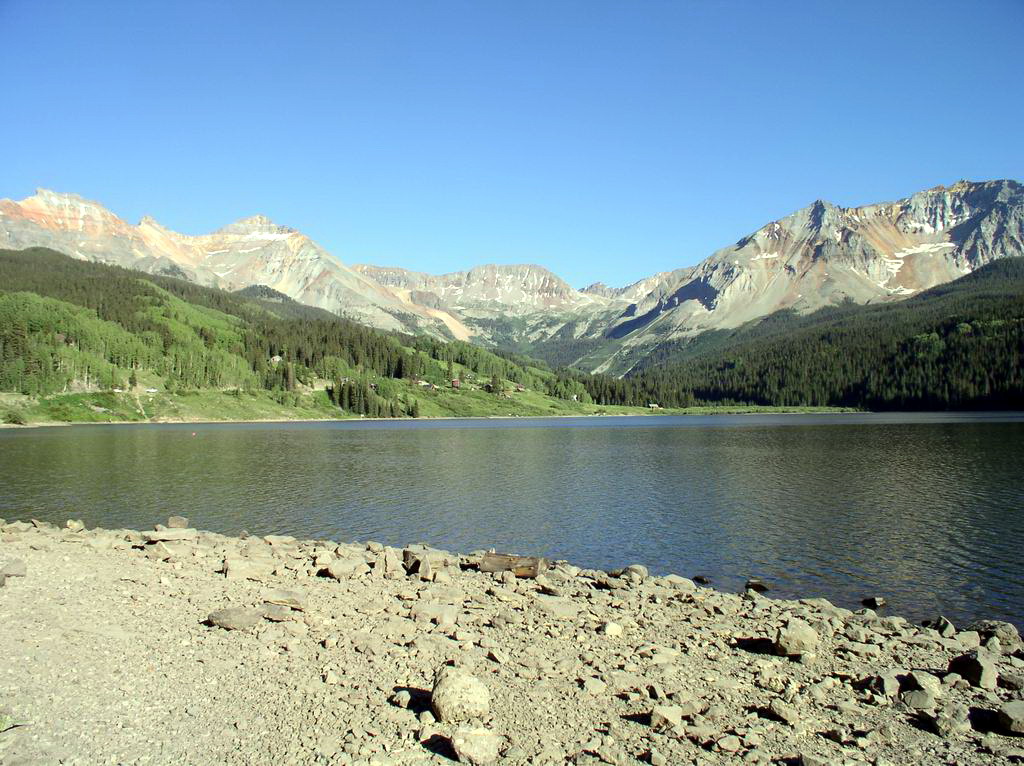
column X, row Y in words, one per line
column 176, row 645
column 18, row 410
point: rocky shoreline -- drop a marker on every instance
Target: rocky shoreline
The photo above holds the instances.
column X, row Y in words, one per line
column 189, row 647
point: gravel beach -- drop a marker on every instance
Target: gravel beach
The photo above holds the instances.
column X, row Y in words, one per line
column 178, row 646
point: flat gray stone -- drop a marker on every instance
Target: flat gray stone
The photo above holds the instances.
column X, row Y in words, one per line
column 289, row 598
column 15, row 568
column 918, row 699
column 444, row 615
column 236, row 618
column 346, row 569
column 237, row 568
column 558, row 608
column 277, row 613
column 168, row 535
column 478, row 746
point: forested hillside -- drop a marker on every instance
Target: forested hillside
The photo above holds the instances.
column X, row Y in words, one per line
column 956, row 346
column 68, row 325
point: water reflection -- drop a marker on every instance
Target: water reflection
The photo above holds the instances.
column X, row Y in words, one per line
column 925, row 510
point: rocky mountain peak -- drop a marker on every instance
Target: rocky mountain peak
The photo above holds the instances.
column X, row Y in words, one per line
column 49, row 200
column 819, row 255
column 51, row 197
column 255, row 225
column 149, row 222
column 256, row 221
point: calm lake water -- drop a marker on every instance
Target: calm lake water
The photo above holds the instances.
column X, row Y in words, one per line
column 927, row 510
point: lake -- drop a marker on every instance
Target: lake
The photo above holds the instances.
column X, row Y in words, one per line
column 924, row 509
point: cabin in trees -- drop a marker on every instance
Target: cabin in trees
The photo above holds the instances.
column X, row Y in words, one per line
column 456, row 383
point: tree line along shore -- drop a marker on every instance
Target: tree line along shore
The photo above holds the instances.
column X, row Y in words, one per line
column 82, row 342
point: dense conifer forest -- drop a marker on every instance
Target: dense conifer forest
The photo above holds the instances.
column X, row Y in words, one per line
column 67, row 324
column 956, row 346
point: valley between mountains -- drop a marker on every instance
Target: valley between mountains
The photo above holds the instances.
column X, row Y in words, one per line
column 821, row 255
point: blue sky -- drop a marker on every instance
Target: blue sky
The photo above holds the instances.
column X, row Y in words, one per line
column 603, row 140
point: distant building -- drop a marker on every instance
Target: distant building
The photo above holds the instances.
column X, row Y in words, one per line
column 275, row 359
column 654, row 406
column 520, row 387
column 456, row 383
column 150, row 390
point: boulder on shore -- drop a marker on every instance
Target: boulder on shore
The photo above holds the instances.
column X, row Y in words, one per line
column 458, row 696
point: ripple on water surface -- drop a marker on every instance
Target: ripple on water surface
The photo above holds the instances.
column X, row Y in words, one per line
column 925, row 510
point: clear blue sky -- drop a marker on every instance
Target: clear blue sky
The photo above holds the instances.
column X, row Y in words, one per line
column 604, row 140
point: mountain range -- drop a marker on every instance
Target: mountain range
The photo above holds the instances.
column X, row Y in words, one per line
column 820, row 255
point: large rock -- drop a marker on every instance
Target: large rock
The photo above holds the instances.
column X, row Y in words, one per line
column 236, row 618
column 478, row 746
column 887, row 684
column 676, row 582
column 458, row 696
column 177, row 522
column 796, row 638
column 977, row 668
column 635, row 573
column 1011, row 717
column 941, row 625
column 1006, row 632
column 347, row 569
column 389, row 564
column 423, row 561
column 666, row 717
column 951, row 721
column 918, row 699
column 784, row 712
